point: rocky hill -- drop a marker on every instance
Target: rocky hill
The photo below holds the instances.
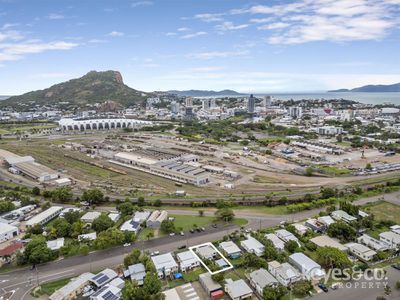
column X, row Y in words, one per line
column 94, row 87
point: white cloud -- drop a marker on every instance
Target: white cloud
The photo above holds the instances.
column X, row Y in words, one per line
column 216, row 54
column 10, row 35
column 193, row 35
column 326, row 20
column 116, row 34
column 9, row 25
column 182, row 29
column 16, row 51
column 141, row 3
column 278, row 25
column 171, row 33
column 207, row 17
column 261, row 20
column 97, row 41
column 55, row 16
column 230, row 26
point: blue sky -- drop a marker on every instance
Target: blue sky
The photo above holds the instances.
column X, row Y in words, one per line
column 249, row 46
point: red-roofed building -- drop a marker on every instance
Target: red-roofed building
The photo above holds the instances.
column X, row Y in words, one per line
column 11, row 249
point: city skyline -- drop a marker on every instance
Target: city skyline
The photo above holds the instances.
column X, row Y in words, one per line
column 274, row 46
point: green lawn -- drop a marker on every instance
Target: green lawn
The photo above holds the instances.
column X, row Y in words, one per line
column 187, row 222
column 143, row 234
column 50, row 287
column 187, row 277
column 384, row 211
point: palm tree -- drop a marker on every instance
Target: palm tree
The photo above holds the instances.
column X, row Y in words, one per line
column 150, row 235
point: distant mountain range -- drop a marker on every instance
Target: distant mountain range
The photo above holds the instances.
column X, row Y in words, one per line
column 4, row 97
column 204, row 93
column 372, row 89
column 94, row 87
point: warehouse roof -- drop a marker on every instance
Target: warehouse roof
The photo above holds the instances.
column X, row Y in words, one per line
column 44, row 215
column 34, row 169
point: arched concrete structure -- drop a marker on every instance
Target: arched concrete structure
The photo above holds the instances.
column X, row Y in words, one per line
column 100, row 124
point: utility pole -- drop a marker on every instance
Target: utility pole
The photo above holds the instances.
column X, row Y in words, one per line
column 37, row 276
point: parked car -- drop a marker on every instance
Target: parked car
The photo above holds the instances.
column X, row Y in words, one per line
column 155, row 253
column 191, row 230
column 323, row 287
column 127, row 244
column 335, row 286
column 181, row 247
column 396, row 266
column 172, row 234
column 182, row 233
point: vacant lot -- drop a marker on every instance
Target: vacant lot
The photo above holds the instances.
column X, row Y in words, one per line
column 384, row 211
column 188, row 222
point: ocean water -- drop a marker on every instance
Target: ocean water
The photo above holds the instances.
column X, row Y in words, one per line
column 367, row 98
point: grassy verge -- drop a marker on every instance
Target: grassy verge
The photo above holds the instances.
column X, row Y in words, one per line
column 49, row 287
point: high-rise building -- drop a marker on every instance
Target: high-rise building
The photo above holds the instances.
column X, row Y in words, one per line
column 267, row 101
column 251, row 102
column 175, row 107
column 295, row 111
column 189, row 102
column 212, row 103
column 206, row 104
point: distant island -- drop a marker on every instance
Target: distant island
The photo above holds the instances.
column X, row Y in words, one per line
column 380, row 88
column 205, row 93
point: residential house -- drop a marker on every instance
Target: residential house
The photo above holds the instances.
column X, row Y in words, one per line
column 316, row 225
column 327, row 220
column 156, row 218
column 165, row 265
column 131, row 226
column 390, row 238
column 341, row 215
column 206, row 252
column 231, row 249
column 372, row 243
column 300, row 228
column 90, row 216
column 309, row 268
column 277, row 242
column 286, row 236
column 187, row 261
column 362, row 252
column 261, row 278
column 238, row 289
column 251, row 245
column 285, row 273
column 137, row 273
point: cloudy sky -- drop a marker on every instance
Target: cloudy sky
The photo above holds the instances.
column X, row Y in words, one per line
column 249, row 46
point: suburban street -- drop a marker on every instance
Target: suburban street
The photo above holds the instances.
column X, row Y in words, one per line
column 17, row 284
